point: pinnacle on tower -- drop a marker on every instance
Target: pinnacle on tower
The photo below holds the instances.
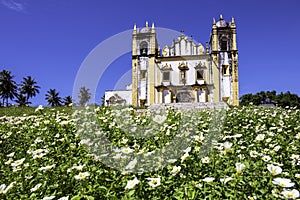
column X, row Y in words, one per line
column 214, row 21
column 134, row 27
column 232, row 24
column 221, row 16
column 146, row 24
column 152, row 28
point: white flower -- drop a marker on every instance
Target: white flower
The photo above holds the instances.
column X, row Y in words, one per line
column 159, row 119
column 277, row 148
column 131, row 164
column 187, row 150
column 17, row 162
column 124, row 141
column 297, row 176
column 172, row 160
column 35, row 188
column 64, row 123
column 275, row 193
column 260, row 137
column 175, row 170
column 199, row 138
column 78, row 167
column 4, row 189
column 47, row 167
column 205, row 160
column 225, row 180
column 295, row 157
column 40, row 107
column 274, row 170
column 252, row 198
column 253, row 154
column 184, row 157
column 10, row 160
column 239, row 167
column 127, row 150
column 11, row 155
column 241, row 156
column 64, row 198
column 227, row 146
column 48, row 198
column 283, row 182
column 290, row 194
column 132, row 183
column 266, row 158
column 117, row 156
column 154, row 182
column 209, row 179
column 268, row 140
column 82, row 175
column 38, row 140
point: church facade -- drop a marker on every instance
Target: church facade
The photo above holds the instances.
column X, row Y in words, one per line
column 185, row 71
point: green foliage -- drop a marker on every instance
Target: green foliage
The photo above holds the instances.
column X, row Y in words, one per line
column 8, row 87
column 53, row 98
column 29, row 88
column 28, row 110
column 270, row 98
column 84, row 96
column 43, row 155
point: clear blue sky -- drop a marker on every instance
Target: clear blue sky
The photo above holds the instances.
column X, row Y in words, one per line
column 49, row 39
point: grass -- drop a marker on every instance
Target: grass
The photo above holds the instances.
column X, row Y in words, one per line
column 28, row 110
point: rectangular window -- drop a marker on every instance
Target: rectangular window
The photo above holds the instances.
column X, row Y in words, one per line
column 166, row 76
column 225, row 70
column 143, row 74
column 199, row 75
column 223, row 45
column 183, row 76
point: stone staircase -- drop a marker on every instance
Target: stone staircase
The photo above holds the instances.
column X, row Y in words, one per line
column 191, row 106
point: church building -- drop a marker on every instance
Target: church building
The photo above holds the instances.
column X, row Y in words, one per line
column 184, row 71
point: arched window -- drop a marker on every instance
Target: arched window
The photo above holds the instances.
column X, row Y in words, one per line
column 144, row 48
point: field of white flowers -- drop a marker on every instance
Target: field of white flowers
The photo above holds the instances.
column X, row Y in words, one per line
column 56, row 156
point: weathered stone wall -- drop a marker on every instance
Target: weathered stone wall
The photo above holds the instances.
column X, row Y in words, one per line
column 191, row 106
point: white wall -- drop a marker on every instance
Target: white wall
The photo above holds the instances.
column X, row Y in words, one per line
column 124, row 94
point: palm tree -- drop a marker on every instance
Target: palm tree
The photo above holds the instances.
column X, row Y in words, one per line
column 29, row 87
column 53, row 98
column 8, row 87
column 68, row 100
column 22, row 100
column 84, row 96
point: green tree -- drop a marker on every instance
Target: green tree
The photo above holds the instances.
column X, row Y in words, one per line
column 67, row 100
column 246, row 99
column 84, row 96
column 103, row 100
column 270, row 97
column 288, row 99
column 8, row 87
column 22, row 100
column 29, row 87
column 53, row 98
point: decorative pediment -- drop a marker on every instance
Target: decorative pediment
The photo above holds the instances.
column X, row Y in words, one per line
column 116, row 100
column 166, row 67
column 200, row 65
column 183, row 66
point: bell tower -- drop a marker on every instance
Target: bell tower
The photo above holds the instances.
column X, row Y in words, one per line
column 144, row 52
column 224, row 56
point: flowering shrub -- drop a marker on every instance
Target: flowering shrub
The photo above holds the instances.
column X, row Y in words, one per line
column 256, row 156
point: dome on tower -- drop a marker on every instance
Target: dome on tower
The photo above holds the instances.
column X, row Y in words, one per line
column 222, row 22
